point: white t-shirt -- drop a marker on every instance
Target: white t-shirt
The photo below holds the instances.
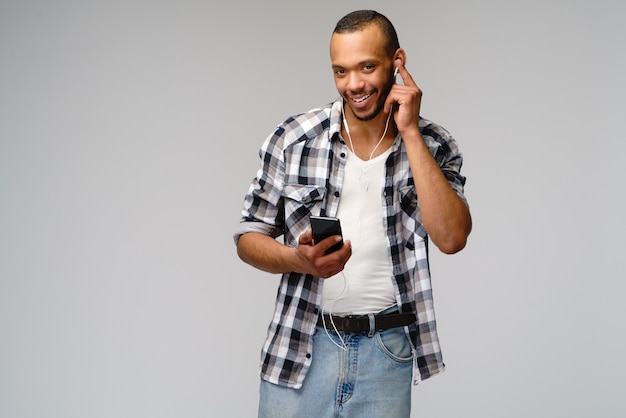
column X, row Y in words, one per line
column 365, row 285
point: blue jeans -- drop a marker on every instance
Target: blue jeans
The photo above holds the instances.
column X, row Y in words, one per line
column 372, row 377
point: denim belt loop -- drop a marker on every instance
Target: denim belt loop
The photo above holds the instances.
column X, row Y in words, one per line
column 372, row 319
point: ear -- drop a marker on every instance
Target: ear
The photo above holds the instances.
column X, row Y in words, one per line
column 401, row 55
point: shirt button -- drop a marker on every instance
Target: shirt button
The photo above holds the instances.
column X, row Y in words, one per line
column 308, row 355
column 343, row 155
column 336, row 194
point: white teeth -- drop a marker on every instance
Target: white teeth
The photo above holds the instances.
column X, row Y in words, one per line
column 361, row 99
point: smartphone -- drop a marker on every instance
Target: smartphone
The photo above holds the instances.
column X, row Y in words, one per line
column 324, row 227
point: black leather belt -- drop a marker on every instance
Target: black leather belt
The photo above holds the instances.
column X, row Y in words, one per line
column 361, row 323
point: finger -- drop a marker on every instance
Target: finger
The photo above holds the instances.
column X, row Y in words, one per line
column 395, row 97
column 326, row 243
column 306, row 237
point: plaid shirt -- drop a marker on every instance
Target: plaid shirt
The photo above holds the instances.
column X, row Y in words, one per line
column 301, row 174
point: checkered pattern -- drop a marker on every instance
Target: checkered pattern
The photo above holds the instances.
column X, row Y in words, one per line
column 301, row 174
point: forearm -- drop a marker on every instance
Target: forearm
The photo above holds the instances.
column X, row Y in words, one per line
column 445, row 215
column 267, row 254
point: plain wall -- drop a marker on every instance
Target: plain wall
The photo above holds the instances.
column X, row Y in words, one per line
column 129, row 133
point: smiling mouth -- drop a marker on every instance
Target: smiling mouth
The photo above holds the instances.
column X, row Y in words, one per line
column 362, row 99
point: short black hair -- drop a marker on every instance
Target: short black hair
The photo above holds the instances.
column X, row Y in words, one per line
column 359, row 19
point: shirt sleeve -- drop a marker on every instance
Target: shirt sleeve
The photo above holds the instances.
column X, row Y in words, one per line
column 446, row 152
column 262, row 209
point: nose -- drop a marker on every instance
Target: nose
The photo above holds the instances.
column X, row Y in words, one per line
column 354, row 82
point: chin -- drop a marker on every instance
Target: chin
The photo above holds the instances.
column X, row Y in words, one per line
column 367, row 115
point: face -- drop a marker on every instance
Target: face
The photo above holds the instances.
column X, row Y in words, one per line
column 363, row 71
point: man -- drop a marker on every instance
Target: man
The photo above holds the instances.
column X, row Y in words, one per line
column 354, row 327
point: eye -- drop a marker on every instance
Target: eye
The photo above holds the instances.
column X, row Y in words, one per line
column 340, row 72
column 369, row 67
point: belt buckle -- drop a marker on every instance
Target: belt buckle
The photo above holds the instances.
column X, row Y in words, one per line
column 362, row 323
column 351, row 323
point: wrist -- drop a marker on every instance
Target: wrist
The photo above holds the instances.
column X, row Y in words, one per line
column 412, row 134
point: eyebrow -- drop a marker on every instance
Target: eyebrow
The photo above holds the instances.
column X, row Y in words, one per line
column 360, row 63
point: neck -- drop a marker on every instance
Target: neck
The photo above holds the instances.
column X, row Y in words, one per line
column 369, row 131
column 367, row 135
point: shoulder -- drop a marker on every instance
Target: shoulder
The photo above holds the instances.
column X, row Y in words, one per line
column 437, row 137
column 433, row 130
column 299, row 130
column 306, row 125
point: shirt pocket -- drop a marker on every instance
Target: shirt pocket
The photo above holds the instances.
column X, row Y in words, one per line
column 302, row 200
column 408, row 200
column 413, row 232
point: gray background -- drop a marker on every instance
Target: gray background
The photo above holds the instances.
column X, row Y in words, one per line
column 129, row 133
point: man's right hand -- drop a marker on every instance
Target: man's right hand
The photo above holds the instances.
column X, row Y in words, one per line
column 313, row 257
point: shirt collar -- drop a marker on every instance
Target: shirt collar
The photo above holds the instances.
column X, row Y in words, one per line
column 336, row 111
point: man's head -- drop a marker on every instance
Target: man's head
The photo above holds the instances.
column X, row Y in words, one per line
column 358, row 20
column 363, row 49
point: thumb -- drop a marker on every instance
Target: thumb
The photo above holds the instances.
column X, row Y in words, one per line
column 306, row 237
